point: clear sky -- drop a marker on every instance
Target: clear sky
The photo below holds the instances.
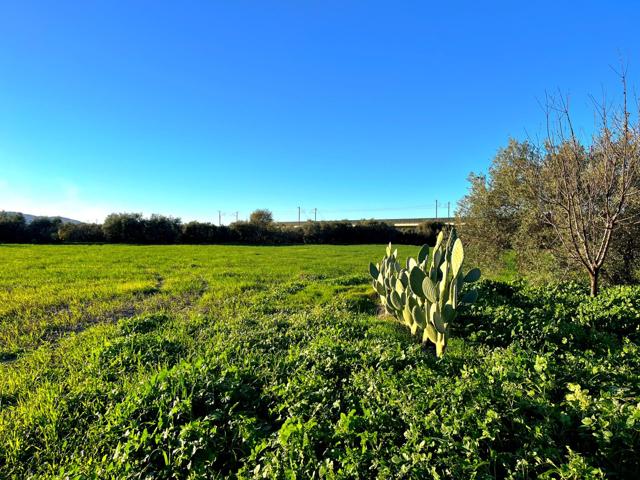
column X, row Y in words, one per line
column 359, row 109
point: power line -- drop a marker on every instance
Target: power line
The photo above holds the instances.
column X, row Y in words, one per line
column 380, row 209
column 315, row 213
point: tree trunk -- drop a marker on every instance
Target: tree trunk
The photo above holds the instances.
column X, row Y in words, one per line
column 594, row 281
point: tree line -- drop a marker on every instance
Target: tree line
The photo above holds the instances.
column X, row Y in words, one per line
column 134, row 228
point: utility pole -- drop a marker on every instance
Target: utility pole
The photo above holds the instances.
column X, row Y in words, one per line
column 448, row 209
column 219, row 218
column 315, row 214
column 298, row 215
column 236, row 216
column 436, row 209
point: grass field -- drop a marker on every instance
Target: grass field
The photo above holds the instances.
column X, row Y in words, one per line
column 49, row 291
column 270, row 362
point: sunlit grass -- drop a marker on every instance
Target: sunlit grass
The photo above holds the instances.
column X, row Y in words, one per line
column 271, row 362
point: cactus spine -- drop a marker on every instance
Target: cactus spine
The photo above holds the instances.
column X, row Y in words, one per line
column 425, row 295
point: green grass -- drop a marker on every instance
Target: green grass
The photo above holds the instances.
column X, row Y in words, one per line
column 270, row 362
column 48, row 291
column 509, row 271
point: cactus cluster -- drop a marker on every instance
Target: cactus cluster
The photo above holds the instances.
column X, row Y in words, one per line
column 385, row 276
column 425, row 295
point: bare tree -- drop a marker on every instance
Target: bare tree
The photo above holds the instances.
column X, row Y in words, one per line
column 585, row 190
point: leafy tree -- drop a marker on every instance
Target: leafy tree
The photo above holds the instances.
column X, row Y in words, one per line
column 43, row 229
column 262, row 217
column 500, row 213
column 159, row 229
column 199, row 233
column 12, row 227
column 124, row 228
column 81, row 232
column 251, row 233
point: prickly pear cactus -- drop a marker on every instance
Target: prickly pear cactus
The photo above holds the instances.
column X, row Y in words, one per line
column 426, row 295
column 390, row 281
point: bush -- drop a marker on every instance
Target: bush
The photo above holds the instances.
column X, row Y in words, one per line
column 429, row 231
column 124, row 228
column 43, row 230
column 12, row 227
column 371, row 231
column 159, row 229
column 250, row 233
column 81, row 233
column 616, row 310
column 202, row 233
column 327, row 232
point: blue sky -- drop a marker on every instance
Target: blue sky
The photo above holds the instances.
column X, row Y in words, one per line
column 359, row 109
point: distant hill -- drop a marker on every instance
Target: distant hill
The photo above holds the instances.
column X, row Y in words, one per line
column 30, row 218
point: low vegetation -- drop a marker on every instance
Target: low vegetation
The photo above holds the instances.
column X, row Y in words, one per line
column 272, row 362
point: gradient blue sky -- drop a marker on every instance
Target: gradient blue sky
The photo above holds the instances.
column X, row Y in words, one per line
column 360, row 109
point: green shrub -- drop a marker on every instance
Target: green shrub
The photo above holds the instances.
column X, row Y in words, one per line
column 615, row 310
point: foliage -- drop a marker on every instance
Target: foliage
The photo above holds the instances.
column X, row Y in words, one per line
column 616, row 310
column 203, row 233
column 43, row 230
column 268, row 362
column 134, row 228
column 577, row 200
column 81, row 233
column 124, row 228
column 262, row 217
column 159, row 230
column 12, row 227
column 622, row 265
column 499, row 213
column 251, row 233
column 430, row 230
column 371, row 231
